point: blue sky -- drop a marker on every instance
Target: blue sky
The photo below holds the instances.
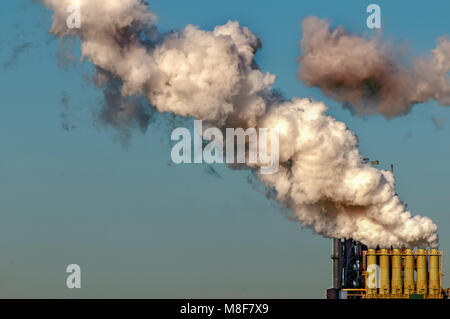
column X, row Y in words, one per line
column 139, row 227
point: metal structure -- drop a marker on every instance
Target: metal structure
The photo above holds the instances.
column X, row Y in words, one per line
column 359, row 272
column 347, row 267
column 362, row 273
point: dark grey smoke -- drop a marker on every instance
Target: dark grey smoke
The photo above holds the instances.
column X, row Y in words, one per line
column 66, row 112
column 17, row 51
column 124, row 113
column 211, row 171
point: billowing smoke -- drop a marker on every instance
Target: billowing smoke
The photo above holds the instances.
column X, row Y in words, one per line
column 368, row 76
column 212, row 76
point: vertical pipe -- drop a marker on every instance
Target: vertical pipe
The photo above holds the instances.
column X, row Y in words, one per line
column 337, row 275
column 441, row 267
column 371, row 273
column 396, row 272
column 409, row 272
column 433, row 285
column 421, row 272
column 384, row 272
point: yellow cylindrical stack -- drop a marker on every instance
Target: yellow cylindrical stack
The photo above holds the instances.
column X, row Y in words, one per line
column 434, row 285
column 421, row 272
column 396, row 272
column 390, row 274
column 409, row 272
column 372, row 275
column 384, row 272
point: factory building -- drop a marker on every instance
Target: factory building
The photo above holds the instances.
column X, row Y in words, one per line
column 362, row 273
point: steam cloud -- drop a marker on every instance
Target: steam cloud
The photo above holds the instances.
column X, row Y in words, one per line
column 367, row 75
column 212, row 76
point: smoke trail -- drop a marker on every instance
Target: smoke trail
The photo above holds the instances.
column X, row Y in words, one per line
column 368, row 76
column 212, row 76
column 17, row 51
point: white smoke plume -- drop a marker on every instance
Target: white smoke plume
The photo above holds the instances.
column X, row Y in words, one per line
column 369, row 76
column 212, row 76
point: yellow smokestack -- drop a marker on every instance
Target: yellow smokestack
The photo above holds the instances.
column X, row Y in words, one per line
column 421, row 272
column 396, row 272
column 434, row 285
column 372, row 275
column 384, row 272
column 409, row 272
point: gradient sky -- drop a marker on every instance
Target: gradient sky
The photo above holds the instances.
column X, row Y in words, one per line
column 140, row 227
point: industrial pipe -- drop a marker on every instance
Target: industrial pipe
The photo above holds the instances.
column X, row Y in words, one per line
column 372, row 273
column 384, row 272
column 409, row 272
column 396, row 272
column 433, row 285
column 421, row 272
column 337, row 270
